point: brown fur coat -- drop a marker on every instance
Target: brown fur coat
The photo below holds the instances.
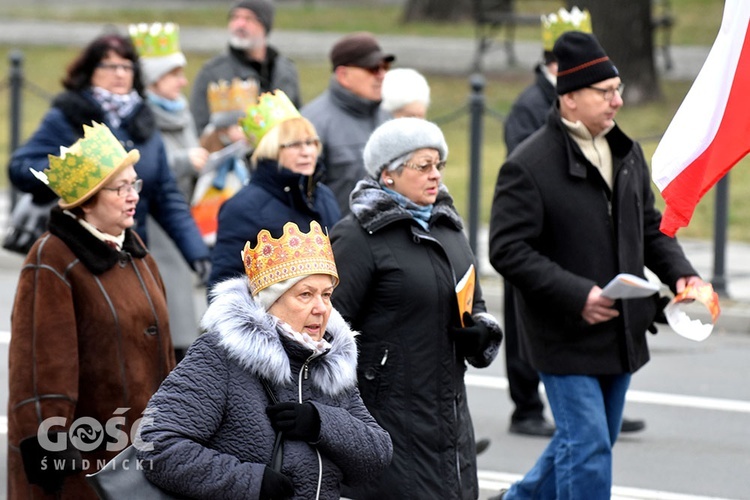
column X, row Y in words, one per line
column 89, row 337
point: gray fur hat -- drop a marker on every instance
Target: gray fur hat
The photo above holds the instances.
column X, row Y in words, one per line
column 153, row 68
column 398, row 137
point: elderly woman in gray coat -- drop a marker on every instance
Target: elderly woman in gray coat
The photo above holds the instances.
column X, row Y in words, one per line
column 209, row 431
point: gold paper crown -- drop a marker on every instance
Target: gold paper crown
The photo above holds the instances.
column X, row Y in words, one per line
column 224, row 97
column 294, row 254
column 155, row 40
column 561, row 21
column 270, row 110
column 85, row 167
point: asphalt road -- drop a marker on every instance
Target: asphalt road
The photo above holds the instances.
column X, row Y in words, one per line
column 694, row 397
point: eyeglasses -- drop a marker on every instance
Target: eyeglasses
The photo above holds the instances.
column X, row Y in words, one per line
column 383, row 66
column 123, row 189
column 312, row 141
column 127, row 68
column 427, row 167
column 609, row 94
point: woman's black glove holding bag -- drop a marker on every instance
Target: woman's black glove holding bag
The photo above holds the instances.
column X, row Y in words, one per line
column 275, row 486
column 295, row 420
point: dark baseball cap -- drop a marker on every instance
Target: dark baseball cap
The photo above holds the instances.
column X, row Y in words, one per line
column 359, row 49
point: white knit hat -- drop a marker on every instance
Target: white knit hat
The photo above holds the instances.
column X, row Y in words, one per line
column 398, row 137
column 404, row 86
column 153, row 68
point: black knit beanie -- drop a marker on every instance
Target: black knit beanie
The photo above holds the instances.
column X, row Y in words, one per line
column 263, row 10
column 581, row 62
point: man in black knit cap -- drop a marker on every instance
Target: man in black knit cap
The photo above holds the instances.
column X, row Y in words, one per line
column 573, row 207
column 248, row 57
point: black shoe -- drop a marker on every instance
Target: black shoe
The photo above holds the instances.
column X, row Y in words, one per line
column 482, row 445
column 633, row 425
column 500, row 496
column 532, row 427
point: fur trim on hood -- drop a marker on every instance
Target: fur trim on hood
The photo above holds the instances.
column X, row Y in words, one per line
column 251, row 337
column 375, row 209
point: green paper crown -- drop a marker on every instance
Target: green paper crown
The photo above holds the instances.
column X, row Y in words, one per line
column 561, row 21
column 85, row 167
column 270, row 110
column 155, row 40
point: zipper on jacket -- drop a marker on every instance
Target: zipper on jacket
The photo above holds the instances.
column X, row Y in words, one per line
column 385, row 357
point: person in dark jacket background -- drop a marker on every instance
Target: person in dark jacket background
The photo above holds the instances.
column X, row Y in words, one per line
column 210, row 427
column 103, row 84
column 248, row 57
column 283, row 187
column 348, row 111
column 573, row 207
column 403, row 251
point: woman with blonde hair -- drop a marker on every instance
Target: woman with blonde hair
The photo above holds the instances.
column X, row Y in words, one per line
column 284, row 185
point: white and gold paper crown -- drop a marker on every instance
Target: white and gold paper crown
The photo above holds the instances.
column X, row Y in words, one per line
column 84, row 168
column 224, row 97
column 271, row 109
column 155, row 40
column 294, row 254
column 557, row 23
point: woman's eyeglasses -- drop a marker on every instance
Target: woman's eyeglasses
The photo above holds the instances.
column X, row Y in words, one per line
column 426, row 167
column 313, row 141
column 127, row 68
column 123, row 189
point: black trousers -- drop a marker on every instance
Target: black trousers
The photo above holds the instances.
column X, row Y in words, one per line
column 523, row 380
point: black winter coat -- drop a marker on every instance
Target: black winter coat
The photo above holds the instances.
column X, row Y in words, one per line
column 529, row 111
column 556, row 230
column 398, row 289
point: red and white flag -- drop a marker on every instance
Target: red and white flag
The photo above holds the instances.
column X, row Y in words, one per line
column 710, row 132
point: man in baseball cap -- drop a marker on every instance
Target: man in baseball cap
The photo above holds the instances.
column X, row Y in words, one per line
column 348, row 111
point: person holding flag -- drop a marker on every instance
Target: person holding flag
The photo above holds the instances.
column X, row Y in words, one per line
column 572, row 208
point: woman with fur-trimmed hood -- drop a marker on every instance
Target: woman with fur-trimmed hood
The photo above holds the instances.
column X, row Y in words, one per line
column 211, row 425
column 404, row 252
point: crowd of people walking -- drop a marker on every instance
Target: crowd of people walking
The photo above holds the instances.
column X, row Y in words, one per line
column 343, row 303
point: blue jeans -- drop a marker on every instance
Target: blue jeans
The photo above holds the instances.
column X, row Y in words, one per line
column 577, row 462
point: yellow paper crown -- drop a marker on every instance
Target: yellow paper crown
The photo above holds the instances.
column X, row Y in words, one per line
column 270, row 110
column 85, row 167
column 294, row 254
column 155, row 40
column 561, row 21
column 224, row 97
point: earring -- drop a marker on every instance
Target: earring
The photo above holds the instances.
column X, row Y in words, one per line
column 389, row 181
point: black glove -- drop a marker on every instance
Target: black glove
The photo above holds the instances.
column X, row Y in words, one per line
column 202, row 268
column 296, row 420
column 275, row 486
column 661, row 303
column 473, row 338
column 49, row 469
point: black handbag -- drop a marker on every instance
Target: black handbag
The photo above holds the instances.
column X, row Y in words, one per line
column 123, row 478
column 28, row 221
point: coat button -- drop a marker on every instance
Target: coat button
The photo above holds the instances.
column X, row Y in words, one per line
column 370, row 374
column 151, row 330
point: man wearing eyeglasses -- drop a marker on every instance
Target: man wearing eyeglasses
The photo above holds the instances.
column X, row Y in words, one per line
column 248, row 57
column 347, row 112
column 573, row 207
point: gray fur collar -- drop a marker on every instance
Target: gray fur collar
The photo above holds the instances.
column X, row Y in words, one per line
column 250, row 336
column 375, row 209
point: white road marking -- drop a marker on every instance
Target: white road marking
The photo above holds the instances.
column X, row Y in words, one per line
column 645, row 397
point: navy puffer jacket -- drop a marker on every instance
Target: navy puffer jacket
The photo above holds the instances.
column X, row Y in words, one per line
column 207, row 425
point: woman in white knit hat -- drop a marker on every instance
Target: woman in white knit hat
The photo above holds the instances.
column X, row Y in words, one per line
column 163, row 74
column 405, row 93
column 403, row 252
